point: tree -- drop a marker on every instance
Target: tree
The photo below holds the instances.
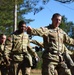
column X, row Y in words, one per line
column 6, row 13
column 68, row 27
column 23, row 7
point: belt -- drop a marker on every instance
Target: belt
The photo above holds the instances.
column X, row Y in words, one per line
column 52, row 51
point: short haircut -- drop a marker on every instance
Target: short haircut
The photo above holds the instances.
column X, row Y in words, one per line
column 56, row 14
column 21, row 23
column 2, row 35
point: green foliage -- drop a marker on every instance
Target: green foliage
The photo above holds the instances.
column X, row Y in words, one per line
column 40, row 61
column 24, row 7
column 68, row 27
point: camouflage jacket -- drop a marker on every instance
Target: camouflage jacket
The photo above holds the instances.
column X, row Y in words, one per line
column 17, row 45
column 53, row 40
column 2, row 62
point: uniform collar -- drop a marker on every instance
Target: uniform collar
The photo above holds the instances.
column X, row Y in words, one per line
column 52, row 27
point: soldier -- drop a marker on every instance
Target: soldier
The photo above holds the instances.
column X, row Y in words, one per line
column 67, row 59
column 19, row 50
column 53, row 39
column 65, row 53
column 2, row 62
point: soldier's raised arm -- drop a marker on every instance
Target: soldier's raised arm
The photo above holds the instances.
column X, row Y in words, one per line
column 39, row 32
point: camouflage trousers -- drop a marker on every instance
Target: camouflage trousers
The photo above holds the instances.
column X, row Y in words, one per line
column 25, row 70
column 19, row 69
column 49, row 68
column 3, row 70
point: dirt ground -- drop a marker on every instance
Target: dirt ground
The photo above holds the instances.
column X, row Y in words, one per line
column 35, row 72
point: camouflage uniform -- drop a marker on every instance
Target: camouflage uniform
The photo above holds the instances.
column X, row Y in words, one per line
column 66, row 55
column 67, row 61
column 17, row 47
column 3, row 67
column 53, row 39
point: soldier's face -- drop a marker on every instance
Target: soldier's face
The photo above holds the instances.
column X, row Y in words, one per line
column 56, row 21
column 3, row 39
column 23, row 27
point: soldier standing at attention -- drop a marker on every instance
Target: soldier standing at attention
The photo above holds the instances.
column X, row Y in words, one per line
column 2, row 62
column 53, row 40
column 18, row 48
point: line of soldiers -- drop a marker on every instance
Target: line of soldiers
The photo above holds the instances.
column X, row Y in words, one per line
column 17, row 50
column 5, row 69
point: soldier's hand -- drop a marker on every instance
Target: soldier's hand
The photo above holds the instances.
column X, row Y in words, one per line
column 7, row 59
column 8, row 63
column 45, row 36
column 29, row 29
column 1, row 54
column 37, row 58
